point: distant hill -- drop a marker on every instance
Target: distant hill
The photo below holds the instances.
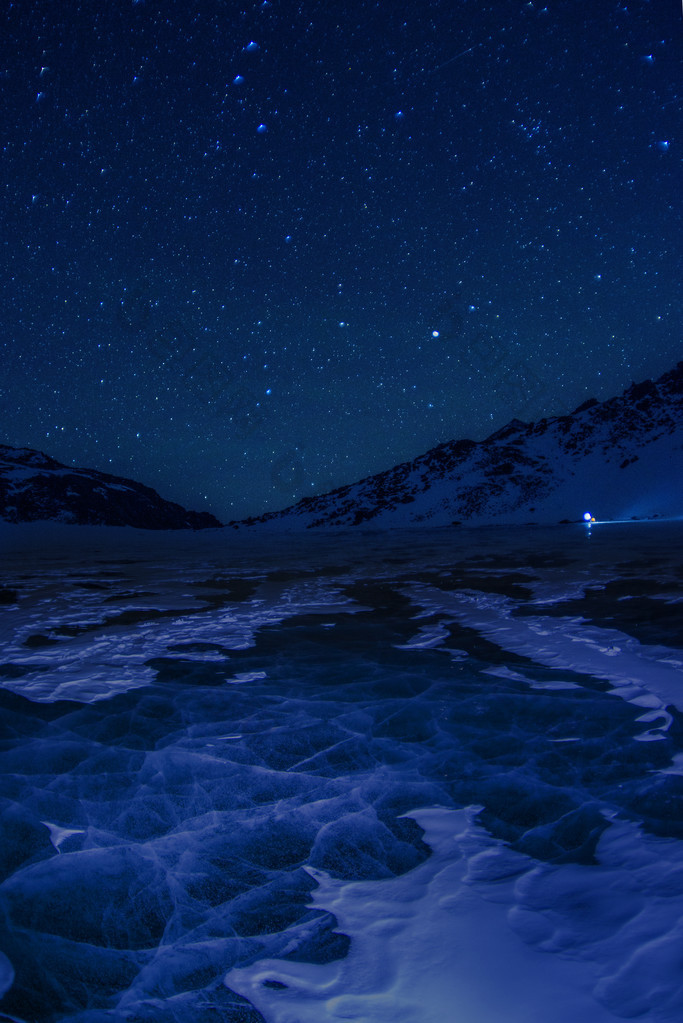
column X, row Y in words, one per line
column 621, row 458
column 35, row 487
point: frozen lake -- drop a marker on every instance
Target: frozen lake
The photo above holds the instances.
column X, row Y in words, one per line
column 421, row 778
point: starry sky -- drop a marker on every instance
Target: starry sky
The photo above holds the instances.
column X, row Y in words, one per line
column 254, row 250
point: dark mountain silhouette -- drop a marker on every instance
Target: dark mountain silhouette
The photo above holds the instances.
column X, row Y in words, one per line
column 35, row 487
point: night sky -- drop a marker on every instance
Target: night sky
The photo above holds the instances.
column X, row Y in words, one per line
column 252, row 251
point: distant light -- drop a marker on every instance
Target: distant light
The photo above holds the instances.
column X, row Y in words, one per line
column 251, row 47
column 238, row 79
column 587, row 517
column 262, row 128
column 663, row 145
column 435, row 333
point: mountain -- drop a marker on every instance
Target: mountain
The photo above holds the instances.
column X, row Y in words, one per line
column 35, row 487
column 617, row 459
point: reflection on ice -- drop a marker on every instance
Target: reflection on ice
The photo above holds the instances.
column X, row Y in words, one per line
column 357, row 778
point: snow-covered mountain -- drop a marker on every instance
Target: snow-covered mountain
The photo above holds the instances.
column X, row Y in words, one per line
column 35, row 487
column 618, row 459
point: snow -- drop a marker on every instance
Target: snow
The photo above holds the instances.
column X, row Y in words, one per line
column 644, row 675
column 623, row 458
column 479, row 933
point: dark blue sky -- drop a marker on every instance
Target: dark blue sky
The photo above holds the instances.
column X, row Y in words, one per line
column 251, row 251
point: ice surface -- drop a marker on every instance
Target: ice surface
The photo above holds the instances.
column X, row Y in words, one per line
column 6, row 974
column 371, row 778
column 466, row 935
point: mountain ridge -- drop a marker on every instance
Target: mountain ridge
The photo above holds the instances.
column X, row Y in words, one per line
column 547, row 471
column 34, row 487
column 619, row 458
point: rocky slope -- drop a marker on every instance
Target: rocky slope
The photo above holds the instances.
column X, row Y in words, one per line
column 35, row 487
column 621, row 458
